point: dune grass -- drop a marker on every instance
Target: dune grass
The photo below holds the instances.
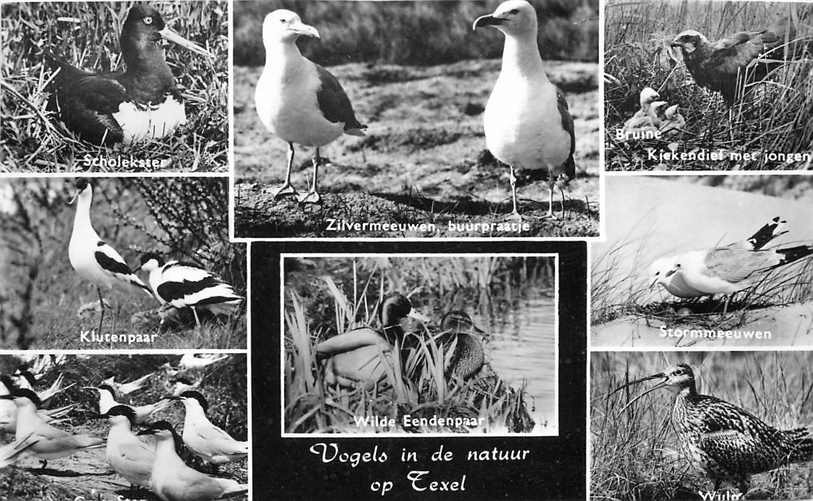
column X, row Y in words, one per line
column 224, row 385
column 773, row 117
column 41, row 297
column 85, row 34
column 415, row 381
column 634, row 451
column 414, row 32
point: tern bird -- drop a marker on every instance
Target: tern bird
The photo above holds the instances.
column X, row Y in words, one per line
column 131, row 456
column 181, row 285
column 27, row 381
column 8, row 410
column 527, row 122
column 93, row 259
column 129, row 387
column 172, row 480
column 9, row 453
column 722, row 440
column 143, row 413
column 51, row 442
column 299, row 101
column 180, row 384
column 205, row 439
column 362, row 354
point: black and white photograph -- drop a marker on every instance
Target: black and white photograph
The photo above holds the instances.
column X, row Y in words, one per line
column 416, row 119
column 712, row 261
column 119, row 263
column 701, row 425
column 115, row 86
column 708, row 85
column 405, row 344
column 105, row 427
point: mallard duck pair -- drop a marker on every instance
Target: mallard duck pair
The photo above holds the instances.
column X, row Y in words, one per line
column 365, row 354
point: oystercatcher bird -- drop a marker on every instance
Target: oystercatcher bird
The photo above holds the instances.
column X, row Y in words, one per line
column 93, row 259
column 182, row 285
column 139, row 103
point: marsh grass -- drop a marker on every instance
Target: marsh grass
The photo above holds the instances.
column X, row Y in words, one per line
column 634, row 451
column 414, row 32
column 85, row 34
column 774, row 116
column 415, row 382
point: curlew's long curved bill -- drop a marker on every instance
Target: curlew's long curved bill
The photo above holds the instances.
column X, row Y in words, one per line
column 658, row 386
column 186, row 44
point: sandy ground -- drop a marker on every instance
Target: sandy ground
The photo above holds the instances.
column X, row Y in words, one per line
column 649, row 217
column 422, row 160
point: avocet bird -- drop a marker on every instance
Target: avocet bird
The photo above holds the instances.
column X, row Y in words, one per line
column 527, row 122
column 51, row 442
column 663, row 270
column 173, row 480
column 299, row 101
column 140, row 103
column 93, row 259
column 205, row 439
column 129, row 387
column 107, row 400
column 181, row 285
column 129, row 455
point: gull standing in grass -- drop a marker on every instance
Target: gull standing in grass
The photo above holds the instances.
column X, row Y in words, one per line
column 527, row 122
column 172, row 480
column 205, row 439
column 129, row 455
column 299, row 101
column 51, row 442
column 181, row 285
column 90, row 256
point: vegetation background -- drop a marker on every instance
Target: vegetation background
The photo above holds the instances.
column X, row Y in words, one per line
column 40, row 293
column 635, row 454
column 86, row 35
column 88, row 474
column 419, row 77
column 773, row 117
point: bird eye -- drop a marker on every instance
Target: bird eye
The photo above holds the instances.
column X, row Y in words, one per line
column 148, row 20
column 283, row 20
column 513, row 11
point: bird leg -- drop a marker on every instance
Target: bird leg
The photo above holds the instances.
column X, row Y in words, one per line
column 287, row 189
column 43, row 463
column 312, row 197
column 562, row 191
column 512, row 178
column 727, row 301
column 197, row 320
column 101, row 309
column 550, row 201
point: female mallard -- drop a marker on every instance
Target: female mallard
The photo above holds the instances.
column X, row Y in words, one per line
column 468, row 357
column 356, row 355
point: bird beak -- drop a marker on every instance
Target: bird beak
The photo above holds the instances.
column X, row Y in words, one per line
column 658, row 386
column 6, row 397
column 170, row 35
column 304, row 30
column 488, row 20
column 73, row 199
column 420, row 317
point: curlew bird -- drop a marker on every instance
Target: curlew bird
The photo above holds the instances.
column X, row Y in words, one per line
column 722, row 440
column 299, row 101
column 526, row 121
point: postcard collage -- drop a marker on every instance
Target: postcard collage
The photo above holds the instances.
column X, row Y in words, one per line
column 412, row 249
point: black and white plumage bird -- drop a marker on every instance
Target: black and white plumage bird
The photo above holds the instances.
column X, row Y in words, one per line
column 728, row 64
column 141, row 413
column 92, row 258
column 129, row 455
column 182, row 285
column 205, row 439
column 139, row 103
column 297, row 100
column 722, row 440
column 527, row 122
